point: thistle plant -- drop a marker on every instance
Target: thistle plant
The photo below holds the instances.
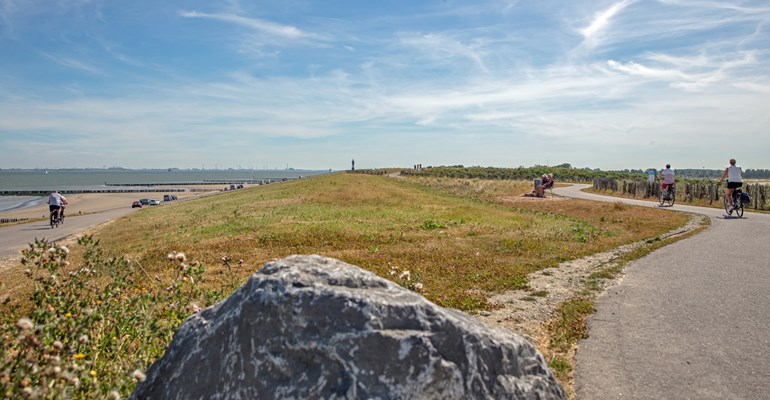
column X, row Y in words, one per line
column 91, row 331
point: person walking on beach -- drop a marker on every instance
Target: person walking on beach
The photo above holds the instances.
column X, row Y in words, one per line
column 734, row 176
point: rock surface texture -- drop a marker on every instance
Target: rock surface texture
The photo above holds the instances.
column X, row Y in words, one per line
column 310, row 327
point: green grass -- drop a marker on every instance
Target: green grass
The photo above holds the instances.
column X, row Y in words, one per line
column 464, row 243
column 456, row 241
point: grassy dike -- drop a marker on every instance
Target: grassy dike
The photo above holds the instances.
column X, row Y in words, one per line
column 459, row 246
column 110, row 308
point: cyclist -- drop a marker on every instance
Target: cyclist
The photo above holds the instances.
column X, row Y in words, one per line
column 61, row 208
column 667, row 175
column 55, row 203
column 734, row 176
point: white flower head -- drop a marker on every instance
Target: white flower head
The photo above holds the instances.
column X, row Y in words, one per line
column 139, row 375
column 65, row 249
column 25, row 324
column 405, row 275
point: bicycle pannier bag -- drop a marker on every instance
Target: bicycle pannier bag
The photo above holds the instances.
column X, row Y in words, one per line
column 745, row 199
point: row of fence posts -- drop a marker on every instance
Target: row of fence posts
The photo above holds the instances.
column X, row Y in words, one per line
column 687, row 192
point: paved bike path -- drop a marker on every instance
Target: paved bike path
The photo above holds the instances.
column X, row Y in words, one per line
column 689, row 321
column 14, row 238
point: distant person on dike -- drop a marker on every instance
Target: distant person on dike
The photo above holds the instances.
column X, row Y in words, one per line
column 56, row 202
column 546, row 181
column 734, row 176
column 667, row 175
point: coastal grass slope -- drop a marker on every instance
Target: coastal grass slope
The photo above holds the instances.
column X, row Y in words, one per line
column 457, row 238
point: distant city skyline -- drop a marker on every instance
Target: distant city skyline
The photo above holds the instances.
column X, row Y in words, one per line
column 612, row 85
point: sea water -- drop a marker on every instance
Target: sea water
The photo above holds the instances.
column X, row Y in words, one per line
column 74, row 179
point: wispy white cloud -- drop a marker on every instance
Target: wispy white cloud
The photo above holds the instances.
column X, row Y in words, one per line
column 602, row 20
column 688, row 73
column 268, row 27
column 72, row 63
column 445, row 49
column 754, row 87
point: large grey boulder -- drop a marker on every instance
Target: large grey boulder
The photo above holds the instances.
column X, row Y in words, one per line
column 310, row 327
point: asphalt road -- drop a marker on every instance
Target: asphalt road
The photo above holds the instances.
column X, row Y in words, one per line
column 689, row 321
column 14, row 238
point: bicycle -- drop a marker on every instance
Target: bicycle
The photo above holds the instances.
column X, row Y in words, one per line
column 667, row 196
column 55, row 218
column 737, row 205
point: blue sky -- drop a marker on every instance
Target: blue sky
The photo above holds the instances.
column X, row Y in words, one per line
column 315, row 84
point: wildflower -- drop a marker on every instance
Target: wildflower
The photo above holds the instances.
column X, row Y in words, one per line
column 240, row 261
column 68, row 315
column 52, row 250
column 392, row 272
column 113, row 395
column 139, row 375
column 83, row 339
column 57, row 345
column 181, row 257
column 418, row 287
column 28, row 272
column 56, row 370
column 405, row 275
column 80, row 356
column 93, row 373
column 25, row 324
column 194, row 308
column 65, row 249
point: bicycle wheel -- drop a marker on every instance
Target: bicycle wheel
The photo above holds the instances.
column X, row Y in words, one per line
column 738, row 208
column 728, row 208
column 670, row 198
column 662, row 197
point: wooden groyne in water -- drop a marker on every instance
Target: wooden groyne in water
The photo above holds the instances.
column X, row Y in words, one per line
column 144, row 187
column 260, row 181
column 12, row 220
column 46, row 192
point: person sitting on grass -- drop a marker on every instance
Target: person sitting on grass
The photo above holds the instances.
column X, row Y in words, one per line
column 545, row 183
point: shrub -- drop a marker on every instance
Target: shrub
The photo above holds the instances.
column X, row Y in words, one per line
column 90, row 331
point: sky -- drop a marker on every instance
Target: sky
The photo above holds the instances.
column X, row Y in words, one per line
column 630, row 84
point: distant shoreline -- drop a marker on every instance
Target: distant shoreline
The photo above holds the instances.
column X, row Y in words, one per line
column 11, row 203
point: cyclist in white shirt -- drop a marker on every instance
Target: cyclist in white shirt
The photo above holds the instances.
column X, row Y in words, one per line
column 734, row 175
column 56, row 202
column 668, row 177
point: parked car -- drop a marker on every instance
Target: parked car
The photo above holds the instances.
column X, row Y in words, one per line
column 154, row 202
column 173, row 197
column 144, row 202
column 136, row 204
column 166, row 197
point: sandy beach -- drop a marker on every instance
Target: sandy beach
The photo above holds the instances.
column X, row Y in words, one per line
column 87, row 203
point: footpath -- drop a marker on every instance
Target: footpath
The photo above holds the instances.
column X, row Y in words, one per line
column 689, row 321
